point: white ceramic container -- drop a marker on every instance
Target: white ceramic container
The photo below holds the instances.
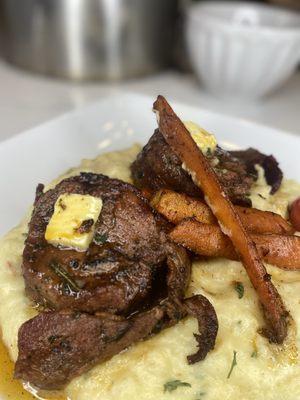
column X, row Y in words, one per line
column 242, row 49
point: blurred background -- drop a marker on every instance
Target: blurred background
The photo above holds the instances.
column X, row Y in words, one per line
column 239, row 58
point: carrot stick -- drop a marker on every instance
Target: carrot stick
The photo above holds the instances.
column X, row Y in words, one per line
column 178, row 206
column 181, row 142
column 209, row 241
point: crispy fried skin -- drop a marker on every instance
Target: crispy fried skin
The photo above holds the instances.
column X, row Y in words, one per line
column 181, row 142
column 178, row 206
column 209, row 241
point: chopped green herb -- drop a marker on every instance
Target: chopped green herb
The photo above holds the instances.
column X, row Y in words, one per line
column 200, row 395
column 260, row 195
column 254, row 354
column 66, row 289
column 62, row 273
column 239, row 287
column 173, row 385
column 139, row 174
column 233, row 364
column 100, row 238
column 52, row 338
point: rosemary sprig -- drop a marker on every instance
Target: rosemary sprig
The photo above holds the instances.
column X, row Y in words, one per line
column 173, row 385
column 239, row 287
column 100, row 238
column 62, row 273
column 233, row 364
column 254, row 354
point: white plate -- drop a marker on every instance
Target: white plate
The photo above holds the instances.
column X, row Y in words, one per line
column 44, row 152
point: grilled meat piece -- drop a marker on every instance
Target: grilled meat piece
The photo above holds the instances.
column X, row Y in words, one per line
column 57, row 346
column 252, row 157
column 129, row 284
column 158, row 167
column 233, row 175
column 116, row 273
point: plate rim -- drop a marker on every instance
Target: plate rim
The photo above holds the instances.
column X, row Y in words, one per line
column 174, row 103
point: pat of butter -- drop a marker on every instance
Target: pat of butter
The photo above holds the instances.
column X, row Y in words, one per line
column 73, row 221
column 204, row 140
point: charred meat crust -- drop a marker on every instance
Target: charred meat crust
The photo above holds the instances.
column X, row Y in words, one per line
column 60, row 345
column 158, row 167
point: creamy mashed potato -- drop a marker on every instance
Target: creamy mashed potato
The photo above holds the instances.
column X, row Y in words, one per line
column 263, row 371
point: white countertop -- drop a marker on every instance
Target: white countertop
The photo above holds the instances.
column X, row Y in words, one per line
column 27, row 100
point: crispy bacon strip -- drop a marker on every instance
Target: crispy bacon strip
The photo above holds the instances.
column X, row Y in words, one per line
column 181, row 142
column 209, row 241
column 178, row 206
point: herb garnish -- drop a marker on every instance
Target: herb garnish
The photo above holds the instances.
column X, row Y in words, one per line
column 254, row 354
column 261, row 196
column 200, row 395
column 62, row 273
column 100, row 238
column 239, row 287
column 173, row 385
column 233, row 364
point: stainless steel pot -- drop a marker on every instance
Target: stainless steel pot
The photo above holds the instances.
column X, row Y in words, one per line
column 88, row 39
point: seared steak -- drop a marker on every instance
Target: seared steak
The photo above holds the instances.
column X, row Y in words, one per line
column 157, row 167
column 116, row 274
column 129, row 284
column 57, row 346
column 252, row 157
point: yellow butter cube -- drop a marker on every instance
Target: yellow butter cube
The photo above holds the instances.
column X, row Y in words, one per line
column 204, row 140
column 73, row 221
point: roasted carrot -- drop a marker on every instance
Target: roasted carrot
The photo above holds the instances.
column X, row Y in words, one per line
column 182, row 143
column 178, row 206
column 209, row 241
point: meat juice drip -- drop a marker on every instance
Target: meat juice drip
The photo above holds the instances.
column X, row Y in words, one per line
column 12, row 389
